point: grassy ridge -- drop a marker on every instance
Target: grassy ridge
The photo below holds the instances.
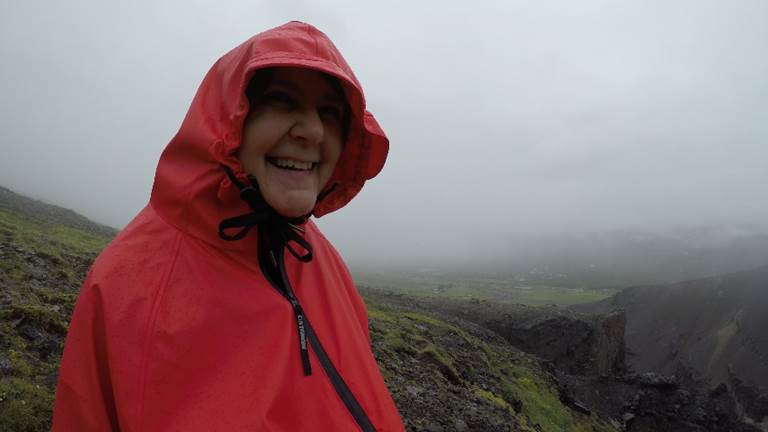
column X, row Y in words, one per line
column 41, row 267
column 455, row 376
column 495, row 290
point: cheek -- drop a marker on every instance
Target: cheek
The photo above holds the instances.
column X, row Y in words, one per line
column 254, row 144
column 333, row 150
column 250, row 158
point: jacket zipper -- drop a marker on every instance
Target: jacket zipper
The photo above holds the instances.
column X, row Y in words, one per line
column 306, row 333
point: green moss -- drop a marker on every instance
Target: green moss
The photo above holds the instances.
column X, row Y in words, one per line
column 380, row 315
column 443, row 362
column 425, row 319
column 43, row 316
column 50, row 240
column 24, row 406
column 20, row 364
column 540, row 402
column 56, row 297
column 513, row 379
column 492, row 398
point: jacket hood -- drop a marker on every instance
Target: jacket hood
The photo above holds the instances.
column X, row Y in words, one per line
column 191, row 190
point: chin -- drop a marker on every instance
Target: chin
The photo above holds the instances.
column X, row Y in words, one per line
column 293, row 208
column 293, row 213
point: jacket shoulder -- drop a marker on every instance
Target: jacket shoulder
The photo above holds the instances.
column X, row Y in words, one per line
column 135, row 263
column 101, row 374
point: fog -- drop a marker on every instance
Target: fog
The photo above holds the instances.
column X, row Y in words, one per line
column 506, row 119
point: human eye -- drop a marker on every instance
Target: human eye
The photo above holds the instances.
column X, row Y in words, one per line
column 332, row 112
column 279, row 98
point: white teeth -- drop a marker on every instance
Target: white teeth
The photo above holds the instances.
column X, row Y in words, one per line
column 293, row 164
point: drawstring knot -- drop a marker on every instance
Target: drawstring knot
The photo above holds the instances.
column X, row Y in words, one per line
column 283, row 231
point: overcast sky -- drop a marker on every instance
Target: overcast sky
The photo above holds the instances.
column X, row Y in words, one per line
column 505, row 118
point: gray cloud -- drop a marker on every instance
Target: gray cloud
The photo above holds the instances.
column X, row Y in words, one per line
column 506, row 118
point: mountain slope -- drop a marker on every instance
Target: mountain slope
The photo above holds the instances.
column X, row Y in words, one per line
column 49, row 215
column 42, row 264
column 711, row 324
column 444, row 371
column 717, row 325
column 447, row 374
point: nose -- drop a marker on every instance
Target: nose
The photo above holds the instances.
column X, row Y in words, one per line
column 308, row 127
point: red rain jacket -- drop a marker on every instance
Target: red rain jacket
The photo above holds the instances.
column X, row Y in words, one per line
column 178, row 330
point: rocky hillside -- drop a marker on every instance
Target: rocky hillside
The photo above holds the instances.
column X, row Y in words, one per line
column 444, row 376
column 44, row 254
column 451, row 366
column 583, row 355
column 448, row 374
column 576, row 343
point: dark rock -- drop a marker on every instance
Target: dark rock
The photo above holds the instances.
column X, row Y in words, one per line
column 459, row 425
column 6, row 367
column 517, row 405
column 435, row 427
column 413, row 390
column 46, row 347
column 753, row 399
column 649, row 379
column 575, row 343
column 51, row 379
column 29, row 332
column 657, row 403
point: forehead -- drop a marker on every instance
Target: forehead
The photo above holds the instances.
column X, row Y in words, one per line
column 307, row 81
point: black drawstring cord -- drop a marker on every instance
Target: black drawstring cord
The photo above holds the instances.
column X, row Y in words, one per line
column 286, row 229
column 276, row 233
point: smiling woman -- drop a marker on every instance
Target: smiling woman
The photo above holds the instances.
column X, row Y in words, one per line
column 186, row 325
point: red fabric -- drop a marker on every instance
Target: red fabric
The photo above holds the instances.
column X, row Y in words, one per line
column 177, row 330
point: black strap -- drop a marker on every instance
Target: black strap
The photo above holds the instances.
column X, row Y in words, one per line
column 281, row 228
column 276, row 234
column 341, row 387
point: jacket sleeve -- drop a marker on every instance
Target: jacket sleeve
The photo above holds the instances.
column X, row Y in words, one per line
column 84, row 396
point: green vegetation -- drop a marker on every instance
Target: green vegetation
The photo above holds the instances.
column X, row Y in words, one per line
column 49, row 239
column 723, row 338
column 41, row 267
column 24, row 406
column 501, row 291
column 437, row 370
column 434, row 365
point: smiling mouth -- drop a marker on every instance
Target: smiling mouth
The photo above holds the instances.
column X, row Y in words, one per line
column 291, row 164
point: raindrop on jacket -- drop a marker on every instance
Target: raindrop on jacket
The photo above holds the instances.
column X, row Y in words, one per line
column 176, row 329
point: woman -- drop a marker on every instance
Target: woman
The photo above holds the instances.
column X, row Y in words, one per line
column 221, row 307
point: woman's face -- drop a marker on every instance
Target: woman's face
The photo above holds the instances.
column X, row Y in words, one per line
column 292, row 138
